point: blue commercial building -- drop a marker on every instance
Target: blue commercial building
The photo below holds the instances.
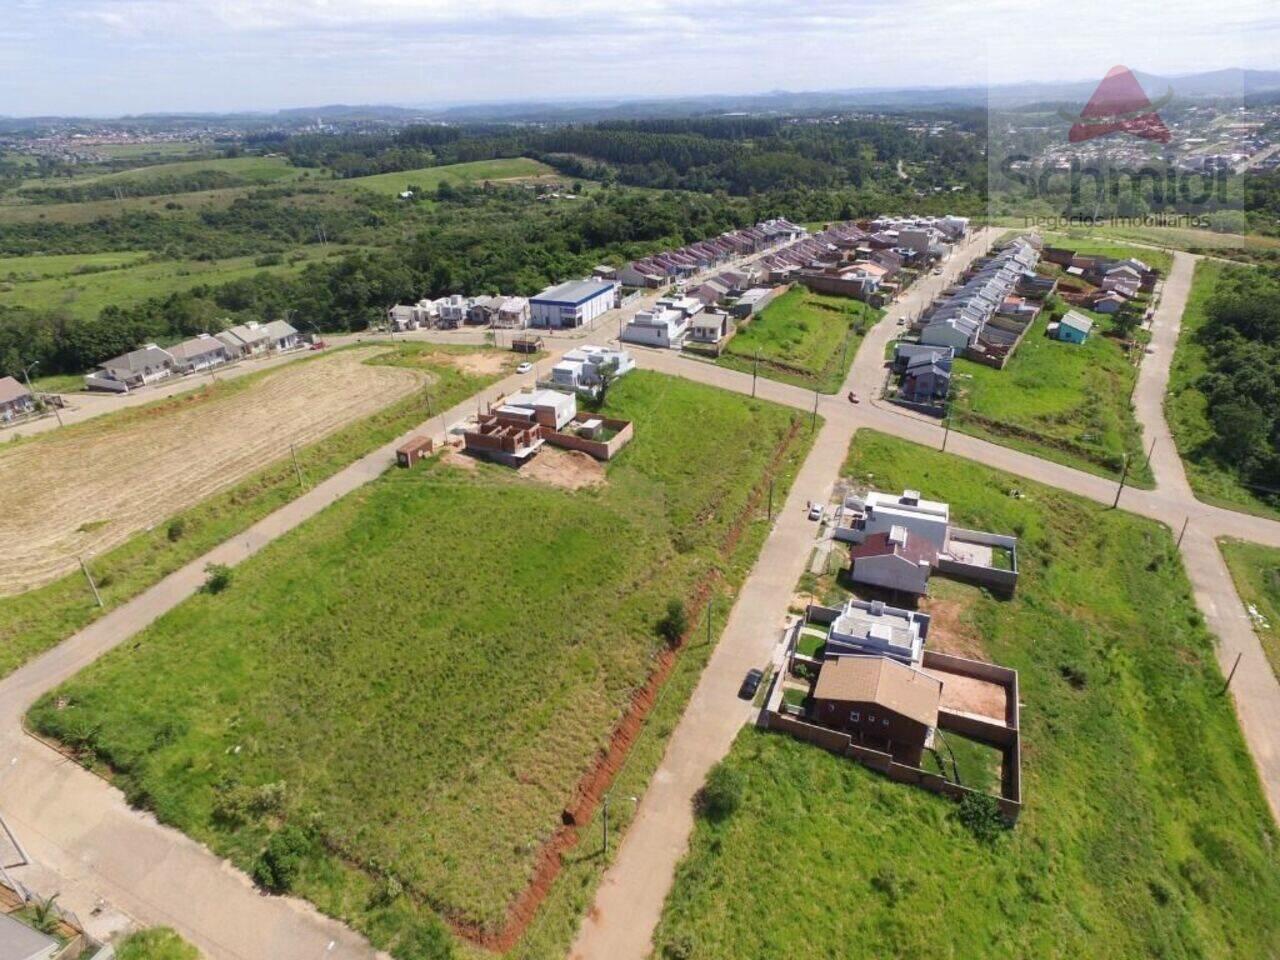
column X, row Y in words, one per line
column 571, row 304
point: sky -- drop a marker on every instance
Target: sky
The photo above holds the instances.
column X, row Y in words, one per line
column 112, row 57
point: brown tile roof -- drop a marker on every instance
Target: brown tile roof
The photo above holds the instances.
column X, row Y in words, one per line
column 915, row 549
column 884, row 682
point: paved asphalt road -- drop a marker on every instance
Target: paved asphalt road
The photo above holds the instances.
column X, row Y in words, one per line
column 87, row 843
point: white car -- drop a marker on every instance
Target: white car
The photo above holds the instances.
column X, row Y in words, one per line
column 815, row 511
column 524, row 367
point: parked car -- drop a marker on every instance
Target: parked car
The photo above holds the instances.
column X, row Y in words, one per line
column 750, row 683
column 524, row 367
column 318, row 345
column 815, row 511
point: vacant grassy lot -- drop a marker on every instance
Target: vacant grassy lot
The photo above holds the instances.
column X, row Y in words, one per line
column 438, row 647
column 1144, row 833
column 33, row 621
column 804, row 338
column 1256, row 572
column 158, row 943
column 16, row 270
column 1086, row 243
column 84, row 294
column 1185, row 407
column 1062, row 401
column 456, row 174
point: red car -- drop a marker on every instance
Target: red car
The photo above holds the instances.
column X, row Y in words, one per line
column 319, row 345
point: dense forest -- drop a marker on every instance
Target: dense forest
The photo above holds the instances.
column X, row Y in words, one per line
column 1242, row 343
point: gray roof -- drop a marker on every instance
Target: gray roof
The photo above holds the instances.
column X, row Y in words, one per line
column 197, row 347
column 1077, row 320
column 20, row 942
column 279, row 329
column 11, row 389
column 575, row 291
column 137, row 360
column 246, row 334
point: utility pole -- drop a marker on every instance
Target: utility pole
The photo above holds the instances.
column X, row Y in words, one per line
column 813, row 422
column 755, row 366
column 293, row 452
column 946, row 429
column 1185, row 521
column 1124, row 475
column 97, row 597
column 26, row 375
column 1230, row 676
column 1150, row 450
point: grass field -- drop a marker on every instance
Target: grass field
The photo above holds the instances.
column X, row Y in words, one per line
column 803, row 338
column 502, row 625
column 161, row 148
column 1062, row 401
column 1256, row 572
column 1177, row 238
column 1185, row 407
column 16, row 270
column 1085, row 242
column 1144, row 832
column 457, row 174
column 250, row 170
column 158, row 943
column 36, row 620
column 85, row 294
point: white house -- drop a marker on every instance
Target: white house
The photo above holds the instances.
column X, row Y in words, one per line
column 897, row 560
column 200, row 353
column 136, row 368
column 513, row 314
column 579, row 369
column 281, row 335
column 453, row 310
column 15, row 399
column 881, row 512
column 571, row 304
column 658, row 327
column 551, row 408
column 870, row 627
column 245, row 339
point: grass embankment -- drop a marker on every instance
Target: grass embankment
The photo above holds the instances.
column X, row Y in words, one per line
column 32, row 622
column 455, row 174
column 802, row 338
column 83, row 293
column 1256, row 572
column 1144, row 832
column 1186, row 408
column 1066, row 402
column 438, row 637
column 158, row 943
column 243, row 170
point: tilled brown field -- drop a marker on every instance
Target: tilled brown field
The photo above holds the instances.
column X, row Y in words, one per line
column 81, row 491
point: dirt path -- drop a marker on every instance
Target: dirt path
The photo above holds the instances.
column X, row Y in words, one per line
column 103, row 482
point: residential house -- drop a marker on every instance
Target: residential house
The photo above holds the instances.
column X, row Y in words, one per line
column 281, row 336
column 412, row 317
column 453, row 311
column 879, row 703
column 134, row 369
column 871, row 627
column 572, row 304
column 927, row 378
column 513, row 314
column 579, row 369
column 881, row 512
column 200, row 353
column 641, row 273
column 15, row 400
column 894, row 561
column 659, row 327
column 483, row 310
column 710, row 292
column 245, row 340
column 710, row 327
column 1072, row 328
column 547, row 408
column 753, row 301
column 1108, row 303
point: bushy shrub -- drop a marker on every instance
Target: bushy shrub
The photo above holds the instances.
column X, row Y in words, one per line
column 981, row 814
column 722, row 793
column 674, row 623
column 218, row 577
column 279, row 864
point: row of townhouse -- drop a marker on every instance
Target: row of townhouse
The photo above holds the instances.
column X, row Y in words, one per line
column 969, row 319
column 660, row 269
column 455, row 310
column 1117, row 282
column 150, row 363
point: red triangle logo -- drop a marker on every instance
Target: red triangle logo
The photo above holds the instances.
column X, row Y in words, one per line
column 1119, row 105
